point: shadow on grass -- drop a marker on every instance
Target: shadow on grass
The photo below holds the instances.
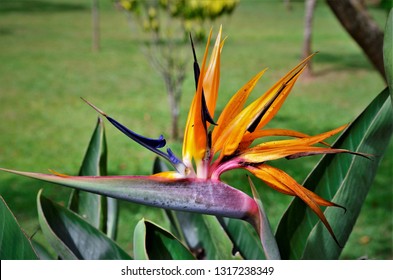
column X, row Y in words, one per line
column 345, row 61
column 29, row 6
column 342, row 62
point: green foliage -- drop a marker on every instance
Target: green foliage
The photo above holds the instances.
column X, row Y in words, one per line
column 344, row 179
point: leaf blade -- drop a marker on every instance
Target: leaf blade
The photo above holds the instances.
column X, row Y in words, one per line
column 244, row 238
column 14, row 244
column 154, row 242
column 336, row 178
column 100, row 211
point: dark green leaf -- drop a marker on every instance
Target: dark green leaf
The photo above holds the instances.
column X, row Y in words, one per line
column 95, row 160
column 154, row 242
column 72, row 237
column 344, row 179
column 206, row 237
column 14, row 245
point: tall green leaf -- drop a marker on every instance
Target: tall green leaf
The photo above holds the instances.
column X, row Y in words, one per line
column 14, row 245
column 100, row 211
column 344, row 179
column 154, row 242
column 72, row 237
column 388, row 52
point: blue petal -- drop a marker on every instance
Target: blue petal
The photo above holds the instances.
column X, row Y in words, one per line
column 172, row 157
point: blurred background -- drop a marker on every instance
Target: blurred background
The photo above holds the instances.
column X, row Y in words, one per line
column 114, row 54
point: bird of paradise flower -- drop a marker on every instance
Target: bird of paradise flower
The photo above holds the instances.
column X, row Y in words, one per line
column 211, row 148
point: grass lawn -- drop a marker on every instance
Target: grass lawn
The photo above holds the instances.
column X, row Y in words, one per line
column 46, row 64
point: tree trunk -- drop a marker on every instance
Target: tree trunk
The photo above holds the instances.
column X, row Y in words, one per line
column 95, row 21
column 173, row 88
column 174, row 108
column 308, row 18
column 356, row 20
column 288, row 5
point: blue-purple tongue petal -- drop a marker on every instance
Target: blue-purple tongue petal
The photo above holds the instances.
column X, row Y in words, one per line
column 144, row 141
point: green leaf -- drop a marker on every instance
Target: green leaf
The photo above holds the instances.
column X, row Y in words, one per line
column 344, row 179
column 206, row 237
column 159, row 166
column 154, row 242
column 14, row 245
column 266, row 235
column 100, row 211
column 244, row 238
column 72, row 237
column 194, row 195
column 388, row 53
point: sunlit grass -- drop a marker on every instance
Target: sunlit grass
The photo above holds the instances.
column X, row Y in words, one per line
column 47, row 64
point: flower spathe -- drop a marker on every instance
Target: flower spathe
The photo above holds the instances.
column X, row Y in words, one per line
column 211, row 148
